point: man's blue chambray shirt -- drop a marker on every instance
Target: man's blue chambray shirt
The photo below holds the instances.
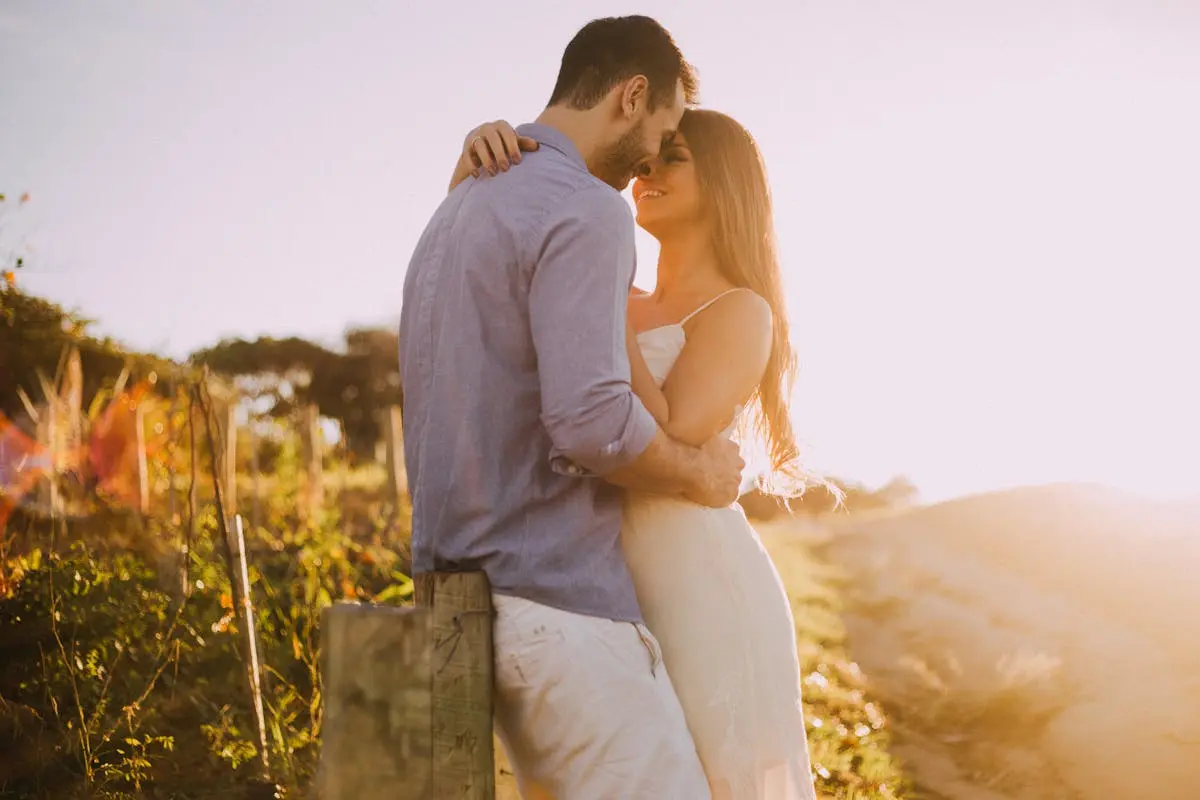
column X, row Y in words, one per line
column 516, row 382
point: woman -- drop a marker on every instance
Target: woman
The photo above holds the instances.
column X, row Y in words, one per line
column 709, row 349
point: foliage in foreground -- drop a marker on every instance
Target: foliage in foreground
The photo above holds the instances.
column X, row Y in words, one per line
column 116, row 689
column 114, row 685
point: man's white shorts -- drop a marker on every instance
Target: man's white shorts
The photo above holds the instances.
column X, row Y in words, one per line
column 586, row 710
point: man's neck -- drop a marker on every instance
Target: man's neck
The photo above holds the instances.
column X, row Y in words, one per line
column 581, row 127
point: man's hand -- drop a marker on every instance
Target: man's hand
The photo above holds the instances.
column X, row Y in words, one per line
column 718, row 477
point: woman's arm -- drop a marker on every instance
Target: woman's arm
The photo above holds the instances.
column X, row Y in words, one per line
column 492, row 148
column 720, row 367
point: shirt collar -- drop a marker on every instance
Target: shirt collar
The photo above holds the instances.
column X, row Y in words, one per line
column 554, row 139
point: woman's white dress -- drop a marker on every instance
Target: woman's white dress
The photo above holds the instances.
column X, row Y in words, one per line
column 715, row 602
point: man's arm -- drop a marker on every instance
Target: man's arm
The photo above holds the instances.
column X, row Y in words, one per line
column 710, row 475
column 577, row 299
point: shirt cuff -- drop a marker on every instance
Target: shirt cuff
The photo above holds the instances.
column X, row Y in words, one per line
column 639, row 433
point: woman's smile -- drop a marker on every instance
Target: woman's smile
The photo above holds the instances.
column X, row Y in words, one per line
column 642, row 192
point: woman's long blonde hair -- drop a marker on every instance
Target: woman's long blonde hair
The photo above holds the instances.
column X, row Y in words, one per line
column 737, row 200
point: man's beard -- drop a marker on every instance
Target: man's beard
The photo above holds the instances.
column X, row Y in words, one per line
column 617, row 165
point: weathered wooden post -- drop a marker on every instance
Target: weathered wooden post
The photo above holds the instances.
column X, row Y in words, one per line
column 463, row 745
column 222, row 406
column 377, row 729
column 71, row 403
column 237, row 540
column 48, row 439
column 255, row 481
column 393, row 432
column 143, row 468
column 189, row 532
column 229, row 437
column 310, row 436
column 408, row 695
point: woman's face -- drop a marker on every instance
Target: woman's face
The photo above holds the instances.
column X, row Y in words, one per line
column 668, row 195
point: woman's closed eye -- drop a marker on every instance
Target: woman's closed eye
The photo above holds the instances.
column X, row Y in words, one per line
column 674, row 155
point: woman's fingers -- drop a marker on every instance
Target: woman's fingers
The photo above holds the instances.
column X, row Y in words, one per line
column 495, row 147
column 481, row 156
column 512, row 147
column 496, row 143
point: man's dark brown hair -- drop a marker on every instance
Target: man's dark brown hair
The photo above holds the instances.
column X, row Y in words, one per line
column 614, row 49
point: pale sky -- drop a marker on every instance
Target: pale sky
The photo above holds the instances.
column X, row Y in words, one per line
column 988, row 210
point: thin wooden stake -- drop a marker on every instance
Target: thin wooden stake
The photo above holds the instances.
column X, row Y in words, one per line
column 347, row 468
column 229, row 456
column 185, row 550
column 48, row 438
column 173, row 518
column 255, row 481
column 71, row 401
column 143, row 470
column 255, row 671
column 394, row 450
column 310, row 434
column 235, row 584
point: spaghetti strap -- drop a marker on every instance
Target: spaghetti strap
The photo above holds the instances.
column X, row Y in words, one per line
column 684, row 321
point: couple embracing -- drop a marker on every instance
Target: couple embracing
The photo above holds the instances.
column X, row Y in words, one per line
column 572, row 437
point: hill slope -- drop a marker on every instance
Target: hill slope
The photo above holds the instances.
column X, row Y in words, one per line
column 1034, row 643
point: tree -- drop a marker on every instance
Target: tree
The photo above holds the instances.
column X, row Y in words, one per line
column 33, row 339
column 353, row 386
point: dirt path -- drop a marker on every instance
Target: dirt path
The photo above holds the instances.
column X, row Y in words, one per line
column 1020, row 663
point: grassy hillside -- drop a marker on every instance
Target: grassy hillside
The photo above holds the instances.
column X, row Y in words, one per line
column 1032, row 644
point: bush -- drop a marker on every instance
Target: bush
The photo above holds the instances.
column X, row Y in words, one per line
column 106, row 672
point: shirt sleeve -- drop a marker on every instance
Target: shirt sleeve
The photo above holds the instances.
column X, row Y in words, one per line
column 578, row 292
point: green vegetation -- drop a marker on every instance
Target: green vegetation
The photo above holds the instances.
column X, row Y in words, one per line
column 117, row 685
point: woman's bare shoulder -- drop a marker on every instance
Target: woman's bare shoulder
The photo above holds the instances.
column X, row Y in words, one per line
column 741, row 320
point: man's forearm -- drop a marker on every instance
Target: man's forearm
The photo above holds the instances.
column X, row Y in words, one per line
column 665, row 467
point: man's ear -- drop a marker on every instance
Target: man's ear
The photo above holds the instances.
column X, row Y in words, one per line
column 635, row 96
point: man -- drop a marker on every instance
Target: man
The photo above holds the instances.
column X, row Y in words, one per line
column 520, row 426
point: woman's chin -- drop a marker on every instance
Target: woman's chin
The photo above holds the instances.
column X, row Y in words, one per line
column 650, row 222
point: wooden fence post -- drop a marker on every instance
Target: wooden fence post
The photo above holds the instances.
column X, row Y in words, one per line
column 189, row 532
column 253, row 668
column 229, row 437
column 47, row 438
column 310, row 435
column 143, row 468
column 255, row 481
column 221, row 410
column 463, row 743
column 377, row 674
column 71, row 402
column 408, row 695
column 393, row 432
